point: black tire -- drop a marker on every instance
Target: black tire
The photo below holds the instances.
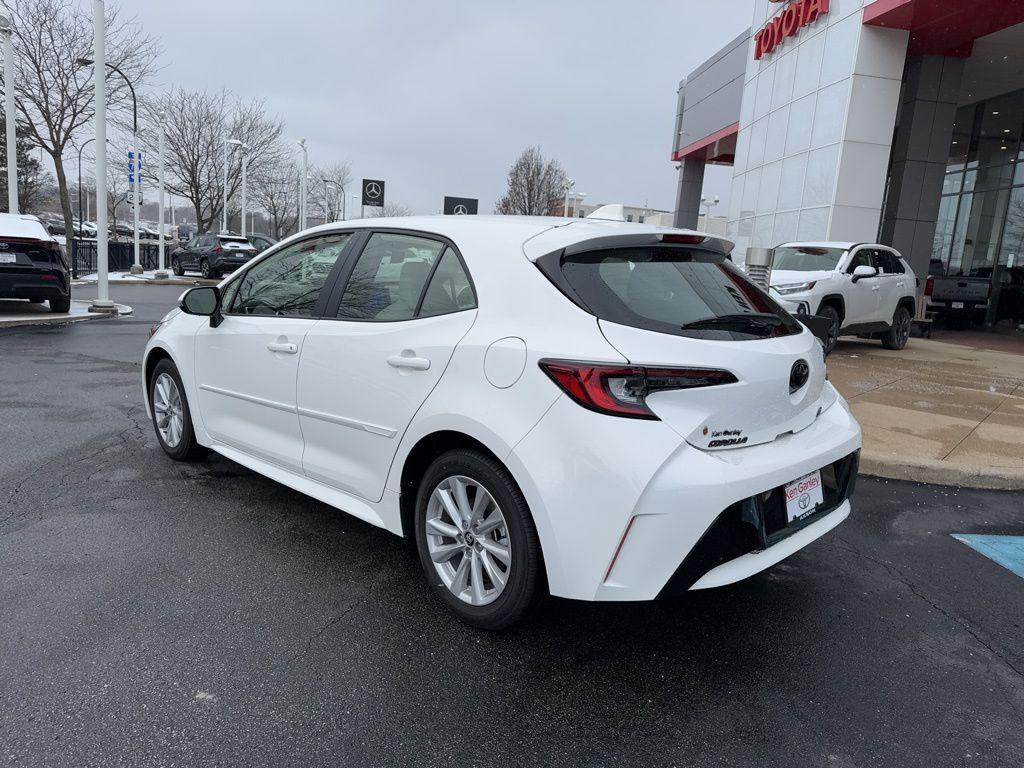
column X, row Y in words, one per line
column 176, row 268
column 525, row 584
column 899, row 332
column 205, row 270
column 61, row 304
column 832, row 315
column 187, row 448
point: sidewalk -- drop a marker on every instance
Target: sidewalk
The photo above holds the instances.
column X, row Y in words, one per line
column 146, row 278
column 936, row 411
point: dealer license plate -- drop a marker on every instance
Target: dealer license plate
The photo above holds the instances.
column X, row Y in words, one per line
column 803, row 496
column 957, row 305
column 7, row 258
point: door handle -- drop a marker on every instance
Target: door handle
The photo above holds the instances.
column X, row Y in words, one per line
column 409, row 361
column 284, row 347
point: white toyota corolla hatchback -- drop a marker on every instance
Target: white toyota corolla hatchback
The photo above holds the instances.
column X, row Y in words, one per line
column 599, row 410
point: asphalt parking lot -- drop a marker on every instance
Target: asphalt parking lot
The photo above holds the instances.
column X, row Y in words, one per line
column 154, row 613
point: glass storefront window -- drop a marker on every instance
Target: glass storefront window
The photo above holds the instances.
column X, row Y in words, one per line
column 943, row 234
column 951, row 184
column 1012, row 251
column 961, row 143
column 998, row 136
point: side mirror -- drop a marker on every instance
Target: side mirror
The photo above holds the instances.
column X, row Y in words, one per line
column 203, row 301
column 863, row 271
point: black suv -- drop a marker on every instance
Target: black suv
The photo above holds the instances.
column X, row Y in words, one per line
column 32, row 264
column 212, row 255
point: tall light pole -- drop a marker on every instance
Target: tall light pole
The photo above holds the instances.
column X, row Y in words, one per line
column 709, row 204
column 136, row 157
column 243, row 147
column 302, row 185
column 102, row 302
column 161, row 273
column 7, row 33
column 327, row 186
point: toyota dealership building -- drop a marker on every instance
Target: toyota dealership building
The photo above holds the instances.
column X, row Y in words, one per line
column 857, row 120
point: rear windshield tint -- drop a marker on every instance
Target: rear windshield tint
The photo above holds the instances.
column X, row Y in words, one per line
column 669, row 289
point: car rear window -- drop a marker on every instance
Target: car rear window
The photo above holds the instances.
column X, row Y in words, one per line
column 670, row 289
column 244, row 241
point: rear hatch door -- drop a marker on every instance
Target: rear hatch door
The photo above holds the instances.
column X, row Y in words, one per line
column 678, row 303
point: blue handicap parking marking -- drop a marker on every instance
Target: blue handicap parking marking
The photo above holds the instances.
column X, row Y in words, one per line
column 1008, row 551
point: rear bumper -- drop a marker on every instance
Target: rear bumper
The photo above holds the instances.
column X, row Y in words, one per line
column 619, row 518
column 33, row 285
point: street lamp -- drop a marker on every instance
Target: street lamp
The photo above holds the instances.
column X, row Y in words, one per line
column 327, row 186
column 569, row 184
column 136, row 180
column 242, row 146
column 302, row 185
column 224, row 214
column 7, row 33
column 102, row 302
column 161, row 273
column 709, row 204
column 81, row 219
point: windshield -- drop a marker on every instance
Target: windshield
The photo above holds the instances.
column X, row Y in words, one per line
column 682, row 291
column 802, row 258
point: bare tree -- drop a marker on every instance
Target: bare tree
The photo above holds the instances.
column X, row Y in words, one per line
column 328, row 206
column 535, row 185
column 197, row 124
column 275, row 190
column 54, row 94
column 389, row 210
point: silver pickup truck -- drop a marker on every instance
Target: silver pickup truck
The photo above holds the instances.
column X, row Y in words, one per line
column 957, row 299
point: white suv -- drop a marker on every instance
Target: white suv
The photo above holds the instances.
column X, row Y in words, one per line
column 602, row 410
column 861, row 288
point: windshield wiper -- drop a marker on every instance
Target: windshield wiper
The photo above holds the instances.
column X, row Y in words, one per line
column 763, row 321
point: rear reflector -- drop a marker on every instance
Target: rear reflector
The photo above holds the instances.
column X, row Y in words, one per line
column 929, row 285
column 622, row 391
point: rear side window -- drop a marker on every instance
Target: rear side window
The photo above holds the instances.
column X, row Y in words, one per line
column 670, row 289
column 449, row 289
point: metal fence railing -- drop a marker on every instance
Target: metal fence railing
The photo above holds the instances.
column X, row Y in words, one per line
column 120, row 256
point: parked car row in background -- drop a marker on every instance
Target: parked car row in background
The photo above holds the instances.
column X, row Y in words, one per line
column 215, row 255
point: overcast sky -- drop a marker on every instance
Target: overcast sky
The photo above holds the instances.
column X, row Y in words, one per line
column 439, row 96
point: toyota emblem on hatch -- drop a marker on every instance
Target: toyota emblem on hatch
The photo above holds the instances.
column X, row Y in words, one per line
column 798, row 375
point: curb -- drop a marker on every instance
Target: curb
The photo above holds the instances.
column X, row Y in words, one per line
column 43, row 319
column 936, row 472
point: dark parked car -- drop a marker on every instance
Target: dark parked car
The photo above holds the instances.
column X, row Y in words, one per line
column 261, row 242
column 32, row 265
column 212, row 255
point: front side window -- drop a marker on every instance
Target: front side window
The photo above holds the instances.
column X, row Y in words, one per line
column 288, row 283
column 861, row 258
column 388, row 280
column 682, row 291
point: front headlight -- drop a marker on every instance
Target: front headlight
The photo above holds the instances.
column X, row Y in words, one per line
column 789, row 288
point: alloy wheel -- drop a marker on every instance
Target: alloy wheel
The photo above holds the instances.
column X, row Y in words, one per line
column 903, row 329
column 468, row 540
column 167, row 406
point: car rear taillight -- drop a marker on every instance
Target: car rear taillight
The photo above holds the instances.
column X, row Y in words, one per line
column 622, row 390
column 216, row 249
column 929, row 285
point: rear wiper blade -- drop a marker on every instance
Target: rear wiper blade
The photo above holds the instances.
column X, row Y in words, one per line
column 738, row 320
